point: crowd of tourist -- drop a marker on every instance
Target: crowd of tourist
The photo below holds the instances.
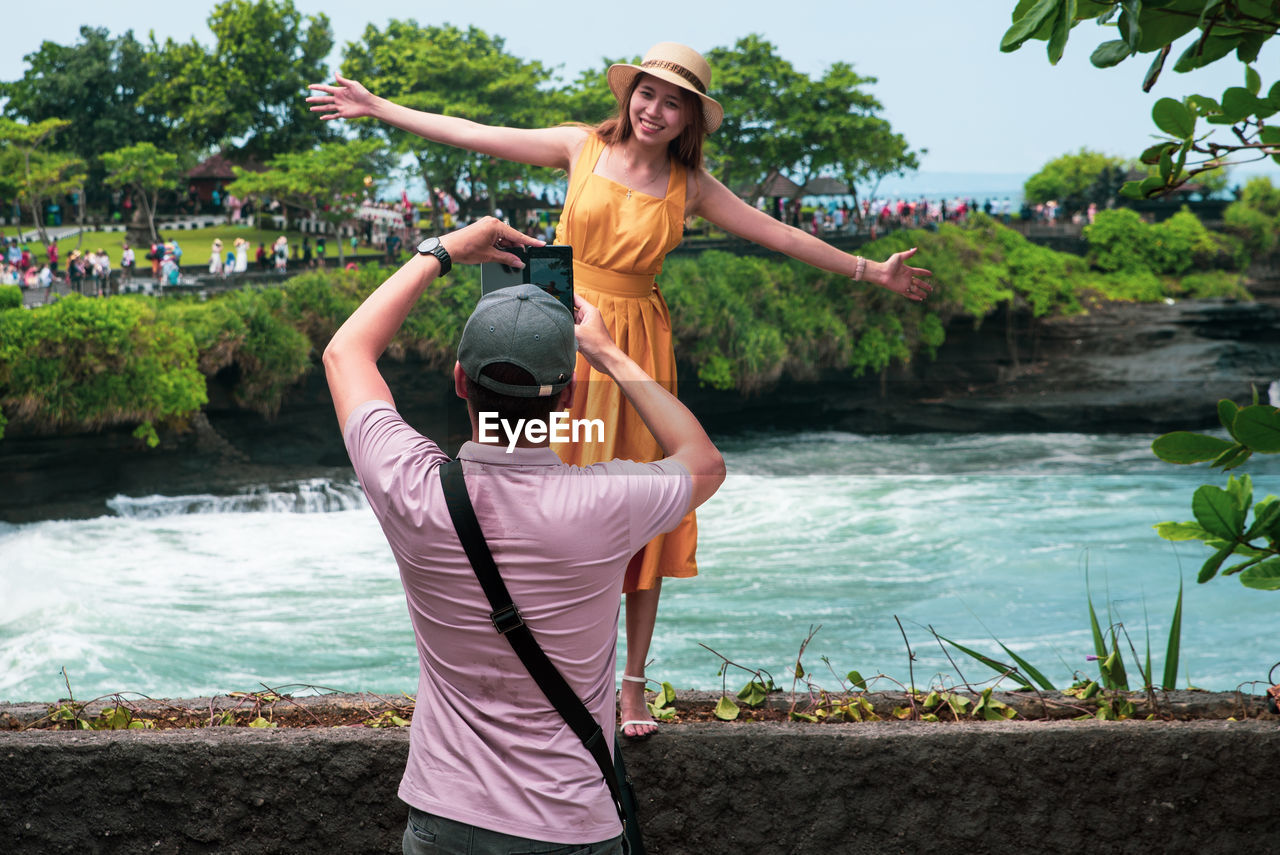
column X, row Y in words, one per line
column 883, row 214
column 90, row 273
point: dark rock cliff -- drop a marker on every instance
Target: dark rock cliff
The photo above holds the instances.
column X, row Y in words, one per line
column 1123, row 367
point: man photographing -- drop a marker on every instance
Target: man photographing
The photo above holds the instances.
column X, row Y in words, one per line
column 492, row 764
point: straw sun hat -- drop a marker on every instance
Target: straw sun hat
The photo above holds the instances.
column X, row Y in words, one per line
column 676, row 64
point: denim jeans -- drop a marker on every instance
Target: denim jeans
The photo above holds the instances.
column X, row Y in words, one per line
column 427, row 834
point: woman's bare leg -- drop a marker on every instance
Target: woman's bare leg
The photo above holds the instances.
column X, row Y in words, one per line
column 642, row 614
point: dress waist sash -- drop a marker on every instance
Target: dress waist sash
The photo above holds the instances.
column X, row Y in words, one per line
column 611, row 282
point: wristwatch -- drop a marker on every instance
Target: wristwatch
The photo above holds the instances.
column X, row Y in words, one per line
column 432, row 246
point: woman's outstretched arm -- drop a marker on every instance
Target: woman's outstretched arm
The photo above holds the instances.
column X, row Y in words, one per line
column 714, row 202
column 550, row 147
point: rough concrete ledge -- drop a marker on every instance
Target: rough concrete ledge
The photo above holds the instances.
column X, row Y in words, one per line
column 691, row 706
column 887, row 787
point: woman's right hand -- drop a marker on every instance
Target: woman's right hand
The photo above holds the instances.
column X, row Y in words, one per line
column 348, row 99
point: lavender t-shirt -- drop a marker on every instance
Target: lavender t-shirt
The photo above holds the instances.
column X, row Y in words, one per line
column 486, row 747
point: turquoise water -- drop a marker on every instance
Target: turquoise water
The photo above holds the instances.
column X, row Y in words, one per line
column 975, row 535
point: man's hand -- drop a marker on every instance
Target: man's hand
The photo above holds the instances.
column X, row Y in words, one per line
column 678, row 433
column 594, row 341
column 487, row 239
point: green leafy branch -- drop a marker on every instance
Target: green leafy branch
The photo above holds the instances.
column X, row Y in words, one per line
column 1224, row 27
column 1222, row 519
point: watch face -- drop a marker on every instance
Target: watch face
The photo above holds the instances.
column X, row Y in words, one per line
column 429, row 245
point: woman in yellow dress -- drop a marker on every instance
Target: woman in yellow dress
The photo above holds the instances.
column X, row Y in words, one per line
column 633, row 181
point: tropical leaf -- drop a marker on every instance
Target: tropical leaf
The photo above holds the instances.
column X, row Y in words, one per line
column 1173, row 118
column 1026, row 26
column 1258, row 427
column 1263, row 577
column 1182, row 531
column 1210, row 568
column 1216, row 510
column 1186, row 447
column 1266, row 518
column 1110, row 53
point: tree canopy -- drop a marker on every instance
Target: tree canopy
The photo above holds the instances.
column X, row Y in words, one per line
column 146, row 170
column 97, row 82
column 182, row 96
column 454, row 72
column 248, row 86
column 780, row 121
column 328, row 181
column 240, row 89
column 1207, row 31
column 1074, row 180
column 31, row 171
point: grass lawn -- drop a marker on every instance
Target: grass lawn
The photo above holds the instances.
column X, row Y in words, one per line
column 195, row 244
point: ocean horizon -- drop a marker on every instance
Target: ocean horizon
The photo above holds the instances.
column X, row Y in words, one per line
column 930, row 184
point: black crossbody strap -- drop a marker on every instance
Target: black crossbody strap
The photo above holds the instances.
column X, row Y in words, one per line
column 506, row 619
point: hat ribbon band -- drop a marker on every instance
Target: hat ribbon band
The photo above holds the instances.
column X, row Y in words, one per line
column 678, row 69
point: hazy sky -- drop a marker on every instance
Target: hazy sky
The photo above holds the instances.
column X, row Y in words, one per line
column 943, row 81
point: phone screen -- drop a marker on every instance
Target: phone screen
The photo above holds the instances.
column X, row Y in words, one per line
column 551, row 269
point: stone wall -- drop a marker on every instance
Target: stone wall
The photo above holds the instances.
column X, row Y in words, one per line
column 898, row 787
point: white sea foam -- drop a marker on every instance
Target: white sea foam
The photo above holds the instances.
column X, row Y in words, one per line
column 185, row 595
column 312, row 496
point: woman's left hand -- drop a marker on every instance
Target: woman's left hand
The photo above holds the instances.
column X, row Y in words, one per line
column 900, row 278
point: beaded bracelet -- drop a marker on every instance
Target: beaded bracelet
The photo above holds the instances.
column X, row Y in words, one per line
column 859, row 269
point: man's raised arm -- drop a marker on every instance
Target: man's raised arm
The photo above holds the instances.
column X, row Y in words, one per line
column 675, row 428
column 351, row 359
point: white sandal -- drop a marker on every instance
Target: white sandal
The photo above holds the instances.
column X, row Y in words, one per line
column 648, row 722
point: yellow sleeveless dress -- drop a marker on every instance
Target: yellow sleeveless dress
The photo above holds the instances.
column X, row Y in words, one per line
column 619, row 239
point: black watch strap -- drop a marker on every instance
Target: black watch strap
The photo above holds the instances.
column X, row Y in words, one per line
column 433, row 246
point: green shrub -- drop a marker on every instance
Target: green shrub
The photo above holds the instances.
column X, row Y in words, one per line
column 1046, row 279
column 435, row 324
column 1213, row 283
column 740, row 322
column 726, row 306
column 86, row 364
column 245, row 329
column 10, row 297
column 1261, row 195
column 879, row 342
column 318, row 302
column 1258, row 231
column 1182, row 243
column 1120, row 240
column 272, row 355
column 1140, row 286
column 217, row 329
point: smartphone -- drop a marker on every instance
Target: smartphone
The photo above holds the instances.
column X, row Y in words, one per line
column 551, row 269
column 548, row 267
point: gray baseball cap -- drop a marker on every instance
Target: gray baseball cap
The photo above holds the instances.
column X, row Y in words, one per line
column 527, row 327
